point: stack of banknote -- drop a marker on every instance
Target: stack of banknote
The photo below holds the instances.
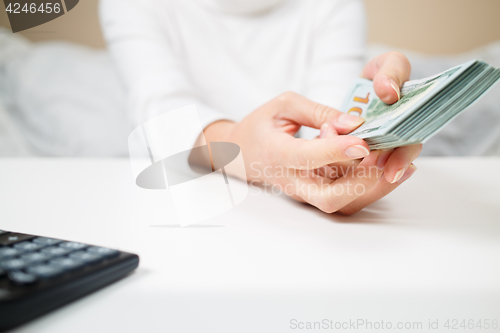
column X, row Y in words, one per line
column 425, row 105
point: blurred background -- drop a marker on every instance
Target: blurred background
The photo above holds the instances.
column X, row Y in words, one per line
column 427, row 26
column 434, row 34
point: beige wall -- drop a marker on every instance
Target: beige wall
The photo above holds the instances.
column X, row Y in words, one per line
column 434, row 26
column 81, row 25
column 429, row 26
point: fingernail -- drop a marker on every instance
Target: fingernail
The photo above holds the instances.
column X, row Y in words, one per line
column 399, row 174
column 350, row 120
column 383, row 158
column 322, row 131
column 411, row 170
column 356, row 151
column 396, row 88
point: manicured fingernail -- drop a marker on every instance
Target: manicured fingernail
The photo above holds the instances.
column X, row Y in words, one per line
column 396, row 88
column 399, row 174
column 322, row 130
column 411, row 170
column 350, row 120
column 383, row 157
column 356, row 151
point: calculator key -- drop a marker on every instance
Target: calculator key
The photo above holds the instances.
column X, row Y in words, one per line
column 67, row 264
column 8, row 252
column 35, row 257
column 11, row 238
column 73, row 246
column 55, row 251
column 46, row 241
column 45, row 271
column 86, row 257
column 22, row 278
column 27, row 246
column 13, row 264
column 103, row 251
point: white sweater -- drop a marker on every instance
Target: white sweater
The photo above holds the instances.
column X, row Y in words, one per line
column 228, row 57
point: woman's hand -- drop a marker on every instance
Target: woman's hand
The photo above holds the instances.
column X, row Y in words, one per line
column 389, row 71
column 336, row 172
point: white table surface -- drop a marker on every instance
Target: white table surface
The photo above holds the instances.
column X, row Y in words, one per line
column 428, row 251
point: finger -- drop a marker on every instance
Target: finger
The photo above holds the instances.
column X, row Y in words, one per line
column 335, row 196
column 297, row 198
column 388, row 71
column 297, row 108
column 341, row 169
column 332, row 172
column 312, row 154
column 384, row 157
column 327, row 130
column 380, row 190
column 399, row 161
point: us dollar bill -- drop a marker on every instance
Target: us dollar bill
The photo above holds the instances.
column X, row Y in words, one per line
column 425, row 105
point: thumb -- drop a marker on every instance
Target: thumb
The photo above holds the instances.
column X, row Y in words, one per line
column 388, row 71
column 312, row 154
column 297, row 108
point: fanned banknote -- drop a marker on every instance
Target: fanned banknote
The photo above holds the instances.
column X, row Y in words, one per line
column 425, row 106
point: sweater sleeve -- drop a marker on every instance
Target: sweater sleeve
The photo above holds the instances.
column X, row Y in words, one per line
column 337, row 51
column 141, row 43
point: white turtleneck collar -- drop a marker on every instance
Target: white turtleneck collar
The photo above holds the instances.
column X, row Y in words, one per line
column 242, row 7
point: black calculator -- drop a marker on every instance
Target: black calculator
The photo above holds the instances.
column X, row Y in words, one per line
column 39, row 274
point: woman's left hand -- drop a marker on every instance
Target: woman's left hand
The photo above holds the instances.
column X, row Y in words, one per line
column 388, row 71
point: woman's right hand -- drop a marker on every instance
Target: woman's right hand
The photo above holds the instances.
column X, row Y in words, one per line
column 325, row 172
